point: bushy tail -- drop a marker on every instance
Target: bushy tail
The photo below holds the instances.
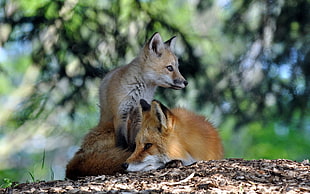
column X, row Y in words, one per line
column 96, row 163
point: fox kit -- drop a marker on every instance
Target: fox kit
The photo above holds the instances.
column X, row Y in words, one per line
column 122, row 88
column 175, row 134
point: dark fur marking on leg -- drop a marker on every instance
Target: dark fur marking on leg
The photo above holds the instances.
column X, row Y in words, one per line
column 121, row 139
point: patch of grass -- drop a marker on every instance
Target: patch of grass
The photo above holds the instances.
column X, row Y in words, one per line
column 32, row 177
column 6, row 183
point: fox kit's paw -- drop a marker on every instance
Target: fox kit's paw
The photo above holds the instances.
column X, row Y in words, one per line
column 121, row 142
column 132, row 147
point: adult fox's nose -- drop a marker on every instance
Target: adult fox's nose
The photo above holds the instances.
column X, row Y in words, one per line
column 185, row 83
column 125, row 166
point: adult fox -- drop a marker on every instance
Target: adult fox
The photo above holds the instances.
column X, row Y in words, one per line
column 166, row 135
column 122, row 88
column 175, row 134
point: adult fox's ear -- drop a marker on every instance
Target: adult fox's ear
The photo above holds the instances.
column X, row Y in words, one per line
column 171, row 42
column 163, row 108
column 161, row 112
column 145, row 105
column 155, row 44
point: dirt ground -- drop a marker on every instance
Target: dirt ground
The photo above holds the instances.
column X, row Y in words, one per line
column 223, row 176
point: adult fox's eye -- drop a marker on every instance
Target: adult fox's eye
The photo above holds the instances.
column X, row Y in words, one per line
column 147, row 146
column 170, row 68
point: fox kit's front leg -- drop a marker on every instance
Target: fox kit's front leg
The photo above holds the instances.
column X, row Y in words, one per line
column 134, row 125
column 120, row 124
column 124, row 137
column 121, row 133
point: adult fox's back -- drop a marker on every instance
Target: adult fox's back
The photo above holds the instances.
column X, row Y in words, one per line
column 122, row 88
column 198, row 137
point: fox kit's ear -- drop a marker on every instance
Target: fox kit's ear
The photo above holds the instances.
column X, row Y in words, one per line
column 156, row 44
column 161, row 112
column 171, row 42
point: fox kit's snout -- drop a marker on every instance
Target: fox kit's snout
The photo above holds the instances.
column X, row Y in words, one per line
column 122, row 88
column 172, row 134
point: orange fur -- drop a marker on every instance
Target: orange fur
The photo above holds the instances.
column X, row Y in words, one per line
column 195, row 135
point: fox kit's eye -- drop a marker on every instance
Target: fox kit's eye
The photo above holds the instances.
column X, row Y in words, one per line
column 147, row 146
column 170, row 68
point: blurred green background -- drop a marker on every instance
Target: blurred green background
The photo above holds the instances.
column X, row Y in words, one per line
column 247, row 63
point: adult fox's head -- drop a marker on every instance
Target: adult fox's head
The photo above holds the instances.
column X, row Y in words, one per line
column 160, row 65
column 151, row 143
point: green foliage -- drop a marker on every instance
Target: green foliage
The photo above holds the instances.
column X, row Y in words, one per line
column 271, row 141
column 6, row 183
column 31, row 7
column 247, row 63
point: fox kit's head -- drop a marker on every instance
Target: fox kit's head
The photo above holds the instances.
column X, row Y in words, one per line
column 151, row 142
column 161, row 65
